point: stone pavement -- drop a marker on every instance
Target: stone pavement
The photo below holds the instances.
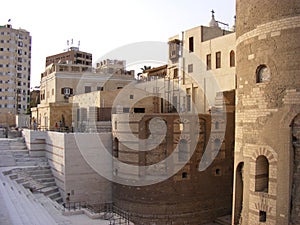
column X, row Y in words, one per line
column 19, row 206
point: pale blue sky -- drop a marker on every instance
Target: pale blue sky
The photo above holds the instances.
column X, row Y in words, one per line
column 102, row 26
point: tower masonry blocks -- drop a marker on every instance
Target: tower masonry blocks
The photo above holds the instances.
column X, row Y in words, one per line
column 267, row 105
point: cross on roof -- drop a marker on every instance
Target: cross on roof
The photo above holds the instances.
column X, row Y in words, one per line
column 213, row 12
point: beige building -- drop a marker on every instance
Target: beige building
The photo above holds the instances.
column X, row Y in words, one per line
column 71, row 56
column 201, row 60
column 92, row 111
column 15, row 66
column 61, row 81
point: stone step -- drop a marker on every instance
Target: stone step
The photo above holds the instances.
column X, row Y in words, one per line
column 46, row 180
column 49, row 184
column 49, row 190
column 54, row 195
column 58, row 200
column 42, row 176
column 40, row 172
column 29, row 163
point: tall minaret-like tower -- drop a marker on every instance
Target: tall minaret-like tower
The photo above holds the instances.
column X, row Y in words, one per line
column 267, row 136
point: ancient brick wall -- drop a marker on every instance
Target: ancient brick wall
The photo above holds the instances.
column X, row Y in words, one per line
column 189, row 196
column 268, row 82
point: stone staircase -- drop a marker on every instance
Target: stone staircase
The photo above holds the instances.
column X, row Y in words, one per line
column 33, row 173
column 37, row 179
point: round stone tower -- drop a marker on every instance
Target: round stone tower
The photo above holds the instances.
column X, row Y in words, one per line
column 267, row 149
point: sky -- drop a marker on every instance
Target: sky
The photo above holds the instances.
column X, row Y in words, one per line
column 102, row 26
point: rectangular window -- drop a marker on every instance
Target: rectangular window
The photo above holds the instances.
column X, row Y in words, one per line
column 99, row 88
column 87, row 89
column 175, row 73
column 208, row 62
column 188, row 103
column 191, row 44
column 262, row 216
column 218, row 60
column 190, row 68
column 125, row 110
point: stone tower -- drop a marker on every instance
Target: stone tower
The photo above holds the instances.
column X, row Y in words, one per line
column 267, row 140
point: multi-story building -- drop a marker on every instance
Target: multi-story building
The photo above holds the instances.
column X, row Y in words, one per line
column 71, row 56
column 60, row 81
column 15, row 68
column 202, row 63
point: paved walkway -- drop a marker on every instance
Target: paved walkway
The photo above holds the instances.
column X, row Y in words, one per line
column 18, row 206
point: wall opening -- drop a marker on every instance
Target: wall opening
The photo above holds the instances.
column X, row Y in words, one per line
column 239, row 189
column 262, row 174
column 262, row 216
column 232, row 59
column 116, row 148
column 183, row 151
column 295, row 161
column 262, row 74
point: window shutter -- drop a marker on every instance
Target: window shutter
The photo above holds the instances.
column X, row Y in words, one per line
column 71, row 91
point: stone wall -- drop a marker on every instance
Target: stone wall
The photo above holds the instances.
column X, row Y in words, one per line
column 70, row 157
column 189, row 196
column 267, row 102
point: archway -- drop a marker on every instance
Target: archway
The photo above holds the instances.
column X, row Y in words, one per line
column 239, row 190
column 295, row 192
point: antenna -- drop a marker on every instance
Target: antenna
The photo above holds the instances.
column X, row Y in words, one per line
column 68, row 42
column 78, row 44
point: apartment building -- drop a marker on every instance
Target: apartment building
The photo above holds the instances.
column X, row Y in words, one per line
column 201, row 64
column 15, row 69
column 63, row 80
column 72, row 56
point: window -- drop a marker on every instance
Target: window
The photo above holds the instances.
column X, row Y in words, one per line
column 217, row 125
column 208, row 62
column 232, row 59
column 175, row 73
column 131, row 96
column 184, row 175
column 139, row 110
column 262, row 174
column 125, row 110
column 190, row 68
column 218, row 172
column 262, row 74
column 52, row 91
column 66, row 91
column 217, row 145
column 116, row 148
column 99, row 88
column 218, row 60
column 87, row 89
column 182, row 150
column 191, row 44
column 188, row 103
column 262, row 216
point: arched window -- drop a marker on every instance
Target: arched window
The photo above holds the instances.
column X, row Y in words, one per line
column 262, row 174
column 116, row 148
column 217, row 125
column 183, row 151
column 232, row 59
column 217, row 144
column 262, row 74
